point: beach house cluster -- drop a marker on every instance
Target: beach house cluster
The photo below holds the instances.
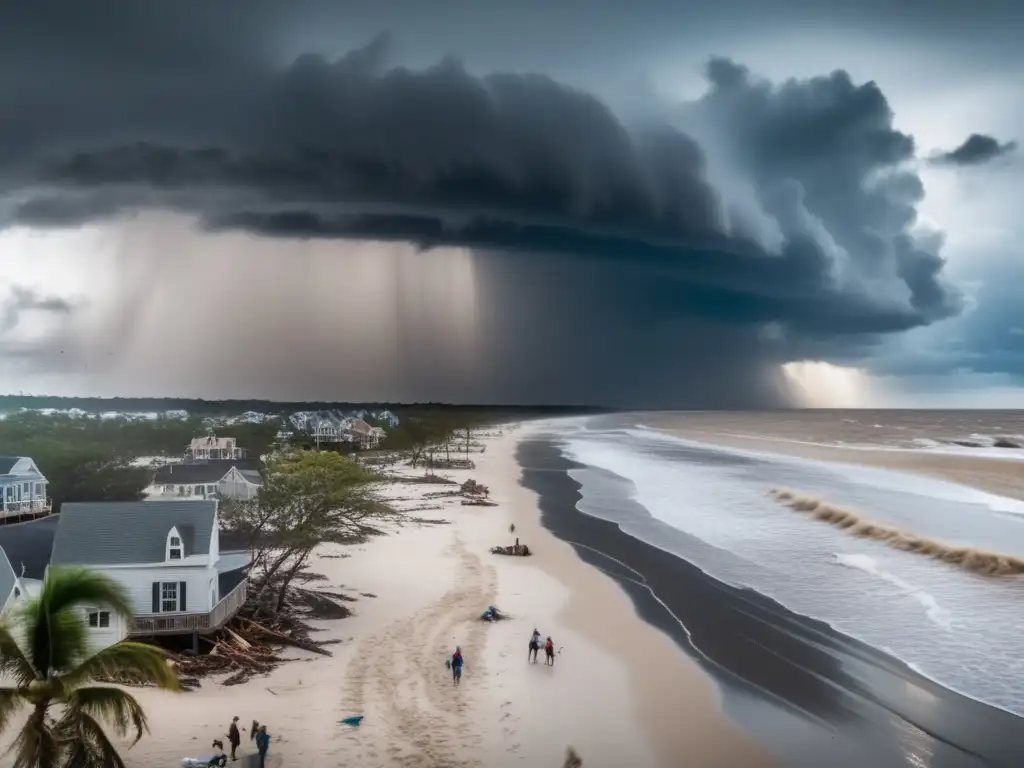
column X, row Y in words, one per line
column 168, row 552
column 345, row 428
column 213, row 467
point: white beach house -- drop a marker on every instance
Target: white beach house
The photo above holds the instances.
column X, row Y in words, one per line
column 229, row 479
column 22, row 487
column 213, row 447
column 167, row 556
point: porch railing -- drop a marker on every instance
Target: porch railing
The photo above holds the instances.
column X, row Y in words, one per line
column 170, row 623
column 27, row 507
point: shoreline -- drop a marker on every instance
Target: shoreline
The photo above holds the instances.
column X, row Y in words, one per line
column 878, row 707
column 674, row 702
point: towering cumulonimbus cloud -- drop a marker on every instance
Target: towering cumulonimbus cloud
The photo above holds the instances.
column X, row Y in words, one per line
column 615, row 261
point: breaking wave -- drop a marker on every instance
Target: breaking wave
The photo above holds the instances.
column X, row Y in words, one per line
column 971, row 559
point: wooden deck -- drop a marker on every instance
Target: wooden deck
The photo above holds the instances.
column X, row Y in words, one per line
column 182, row 623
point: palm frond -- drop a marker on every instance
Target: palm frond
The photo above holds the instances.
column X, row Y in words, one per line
column 56, row 633
column 112, row 705
column 67, row 587
column 13, row 662
column 89, row 746
column 135, row 661
column 36, row 744
column 10, row 702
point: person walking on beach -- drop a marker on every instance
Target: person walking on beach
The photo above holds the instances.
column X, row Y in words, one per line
column 262, row 744
column 534, row 646
column 457, row 661
column 234, row 737
column 549, row 652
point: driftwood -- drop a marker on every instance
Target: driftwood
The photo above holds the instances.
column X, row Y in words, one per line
column 247, row 647
column 517, row 550
column 478, row 503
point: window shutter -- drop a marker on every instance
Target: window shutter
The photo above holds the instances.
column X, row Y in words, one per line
column 182, row 603
column 156, row 597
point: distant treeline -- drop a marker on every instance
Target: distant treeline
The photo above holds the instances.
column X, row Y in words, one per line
column 237, row 407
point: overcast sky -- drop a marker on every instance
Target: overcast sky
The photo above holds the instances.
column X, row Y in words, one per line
column 732, row 204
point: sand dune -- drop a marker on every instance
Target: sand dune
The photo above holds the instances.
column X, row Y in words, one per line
column 968, row 558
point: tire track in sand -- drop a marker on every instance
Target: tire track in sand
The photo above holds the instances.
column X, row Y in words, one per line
column 415, row 717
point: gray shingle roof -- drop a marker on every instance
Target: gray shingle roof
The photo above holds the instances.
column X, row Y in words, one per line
column 252, row 475
column 29, row 544
column 119, row 533
column 7, row 464
column 212, row 471
column 7, row 579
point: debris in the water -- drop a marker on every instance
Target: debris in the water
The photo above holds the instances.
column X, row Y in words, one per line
column 353, row 720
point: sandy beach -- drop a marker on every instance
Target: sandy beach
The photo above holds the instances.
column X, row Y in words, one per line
column 621, row 691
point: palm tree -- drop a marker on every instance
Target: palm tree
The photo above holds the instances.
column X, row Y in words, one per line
column 46, row 664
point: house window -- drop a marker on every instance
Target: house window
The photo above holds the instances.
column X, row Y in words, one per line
column 99, row 619
column 199, row 490
column 169, row 597
column 211, row 490
column 174, row 548
column 27, row 488
column 39, row 490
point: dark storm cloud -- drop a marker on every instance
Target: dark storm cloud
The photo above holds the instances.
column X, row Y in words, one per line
column 22, row 300
column 204, row 109
column 358, row 149
column 976, row 150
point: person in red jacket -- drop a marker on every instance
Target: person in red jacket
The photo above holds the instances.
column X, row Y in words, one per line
column 549, row 652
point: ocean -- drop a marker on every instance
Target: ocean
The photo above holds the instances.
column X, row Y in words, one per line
column 956, row 627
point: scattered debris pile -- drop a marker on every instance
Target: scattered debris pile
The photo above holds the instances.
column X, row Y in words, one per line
column 475, row 495
column 251, row 643
column 493, row 614
column 518, row 550
column 453, row 463
column 472, row 488
column 245, row 648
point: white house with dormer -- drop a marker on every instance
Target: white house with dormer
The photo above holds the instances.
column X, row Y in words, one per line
column 166, row 554
column 22, row 487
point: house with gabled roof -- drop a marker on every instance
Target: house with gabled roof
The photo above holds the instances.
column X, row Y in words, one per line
column 213, row 447
column 229, row 479
column 22, row 488
column 167, row 556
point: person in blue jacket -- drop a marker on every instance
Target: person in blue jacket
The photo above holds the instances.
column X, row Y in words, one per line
column 457, row 666
column 262, row 743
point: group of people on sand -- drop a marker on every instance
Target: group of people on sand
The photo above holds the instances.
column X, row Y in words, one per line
column 549, row 649
column 257, row 733
column 456, row 662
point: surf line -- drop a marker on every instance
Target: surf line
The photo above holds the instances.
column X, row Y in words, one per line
column 979, row 561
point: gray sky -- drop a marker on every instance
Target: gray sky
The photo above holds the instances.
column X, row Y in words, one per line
column 624, row 204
